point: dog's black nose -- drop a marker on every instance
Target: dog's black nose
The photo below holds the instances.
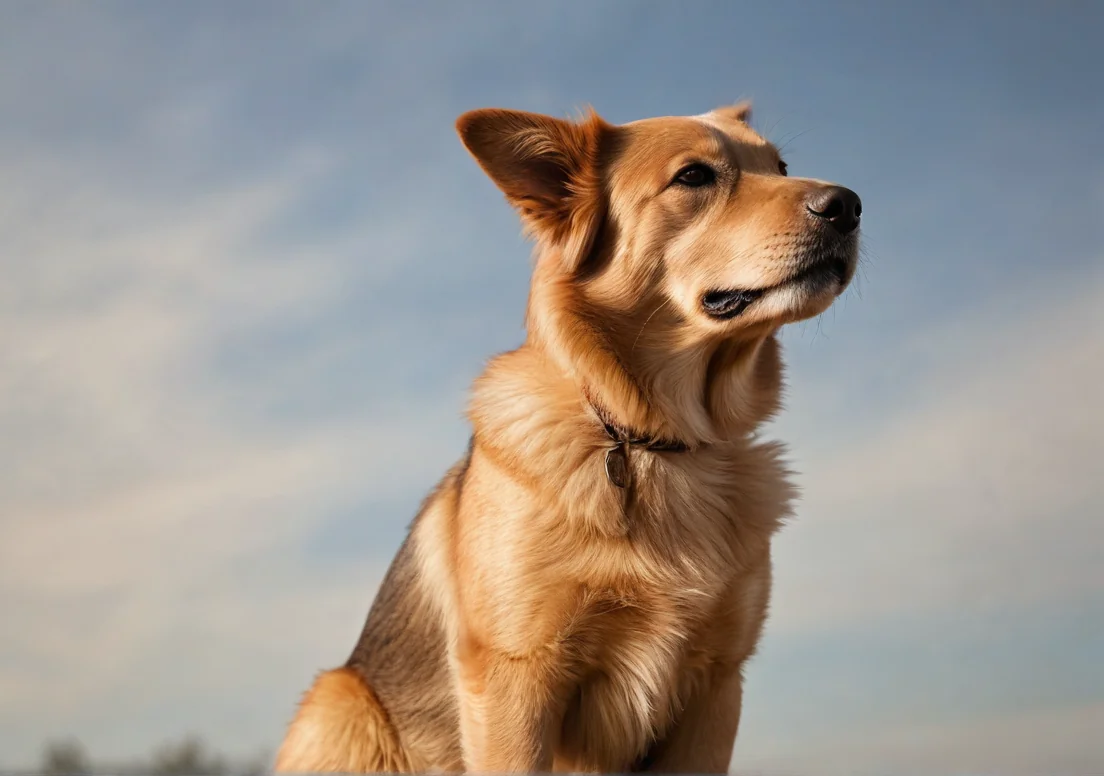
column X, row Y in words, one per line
column 840, row 207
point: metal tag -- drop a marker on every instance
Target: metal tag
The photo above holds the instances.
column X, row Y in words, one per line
column 617, row 467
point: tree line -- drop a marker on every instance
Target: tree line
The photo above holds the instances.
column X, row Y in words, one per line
column 189, row 756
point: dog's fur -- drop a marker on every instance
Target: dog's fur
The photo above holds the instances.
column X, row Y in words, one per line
column 538, row 617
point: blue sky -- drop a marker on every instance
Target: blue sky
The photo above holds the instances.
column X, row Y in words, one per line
column 250, row 271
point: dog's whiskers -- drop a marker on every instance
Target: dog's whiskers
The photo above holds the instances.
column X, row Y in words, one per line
column 646, row 322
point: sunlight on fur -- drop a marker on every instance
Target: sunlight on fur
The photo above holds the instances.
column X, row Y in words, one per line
column 582, row 590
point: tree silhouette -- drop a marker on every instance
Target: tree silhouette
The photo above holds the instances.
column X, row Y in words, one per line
column 188, row 757
column 65, row 757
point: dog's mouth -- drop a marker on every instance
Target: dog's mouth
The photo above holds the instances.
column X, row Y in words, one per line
column 726, row 304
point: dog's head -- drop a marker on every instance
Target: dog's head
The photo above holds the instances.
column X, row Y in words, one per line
column 677, row 236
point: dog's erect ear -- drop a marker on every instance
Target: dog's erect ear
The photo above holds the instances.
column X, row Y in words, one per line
column 548, row 168
column 741, row 111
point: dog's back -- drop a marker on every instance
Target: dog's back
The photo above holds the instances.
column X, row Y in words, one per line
column 392, row 706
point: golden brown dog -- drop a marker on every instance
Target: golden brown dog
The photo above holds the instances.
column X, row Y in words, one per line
column 583, row 589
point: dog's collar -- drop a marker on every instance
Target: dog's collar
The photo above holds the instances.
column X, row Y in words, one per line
column 623, row 436
column 617, row 464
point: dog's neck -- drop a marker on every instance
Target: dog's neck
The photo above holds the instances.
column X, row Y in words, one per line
column 623, row 435
column 700, row 394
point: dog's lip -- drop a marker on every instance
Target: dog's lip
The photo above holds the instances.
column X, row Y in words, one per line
column 725, row 304
column 728, row 304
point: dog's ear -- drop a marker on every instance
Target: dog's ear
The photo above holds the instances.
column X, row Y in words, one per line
column 741, row 111
column 548, row 168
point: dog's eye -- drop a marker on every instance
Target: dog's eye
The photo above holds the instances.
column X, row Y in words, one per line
column 782, row 168
column 695, row 175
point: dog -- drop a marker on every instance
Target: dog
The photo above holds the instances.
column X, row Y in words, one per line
column 584, row 588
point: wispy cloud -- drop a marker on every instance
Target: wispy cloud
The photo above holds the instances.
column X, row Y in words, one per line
column 975, row 485
column 147, row 510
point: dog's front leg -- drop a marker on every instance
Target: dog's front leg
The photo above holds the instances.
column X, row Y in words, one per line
column 703, row 739
column 507, row 712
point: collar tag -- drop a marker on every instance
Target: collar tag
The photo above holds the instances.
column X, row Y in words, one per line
column 617, row 466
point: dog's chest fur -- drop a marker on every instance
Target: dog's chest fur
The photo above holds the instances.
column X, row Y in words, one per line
column 642, row 662
column 631, row 596
column 623, row 600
